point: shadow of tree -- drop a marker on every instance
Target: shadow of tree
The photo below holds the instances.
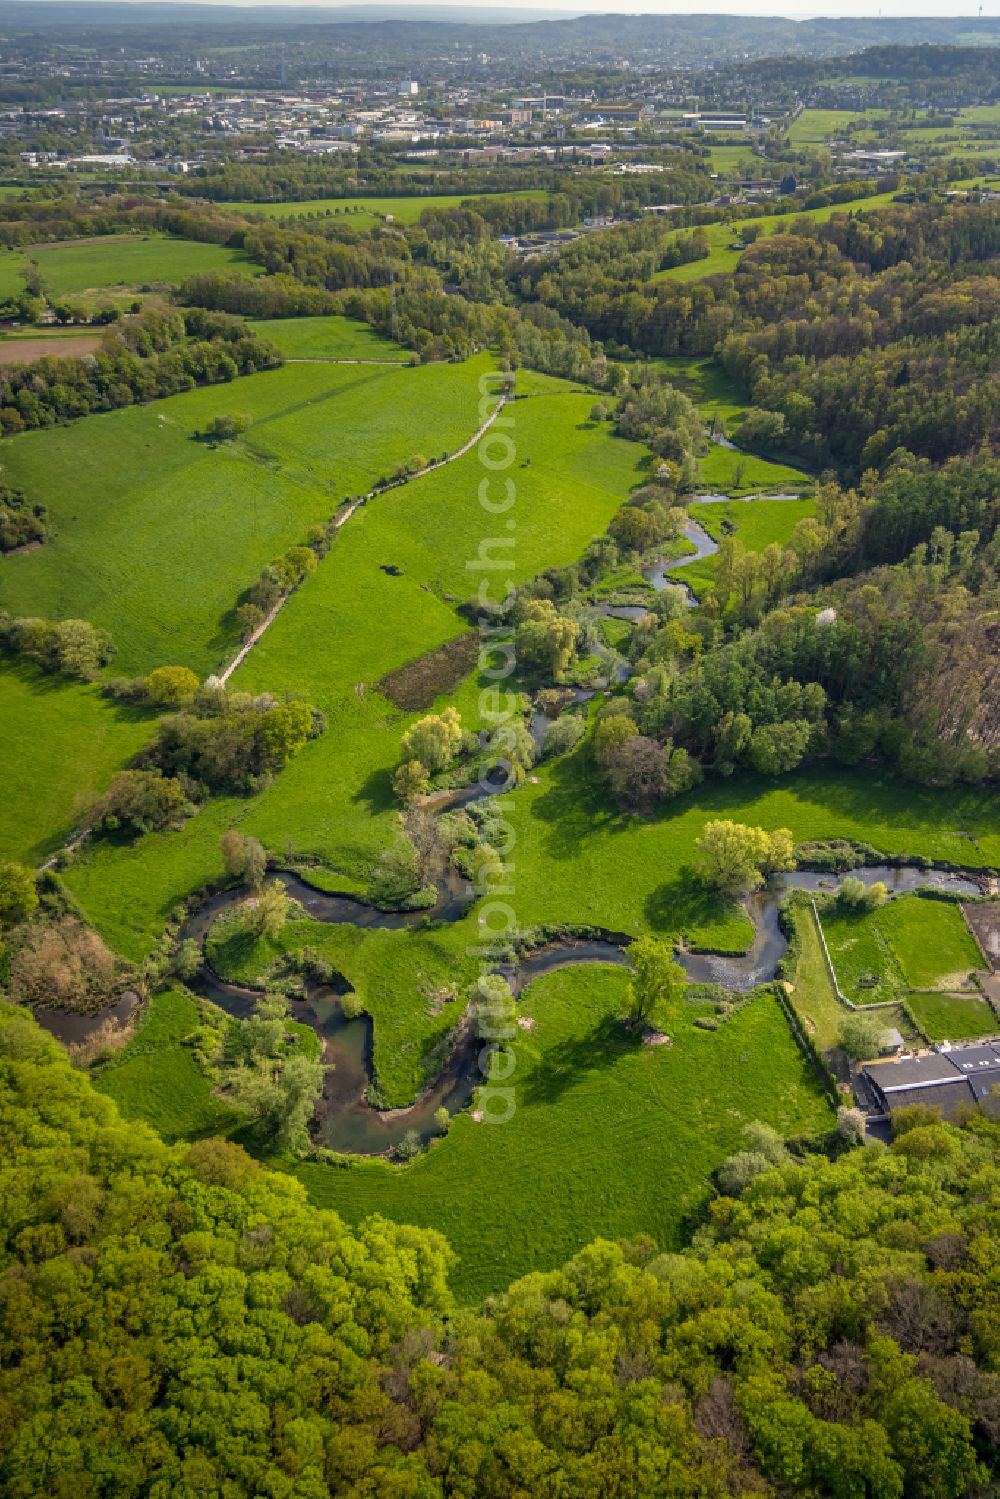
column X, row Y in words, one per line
column 565, row 1063
column 575, row 806
column 682, row 904
column 376, row 793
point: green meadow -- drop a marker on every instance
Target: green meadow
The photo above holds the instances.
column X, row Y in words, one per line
column 607, row 1137
column 353, row 622
column 731, row 471
column 62, row 744
column 406, row 210
column 953, row 1017
column 329, row 338
column 813, row 127
column 755, row 522
column 72, row 267
column 155, row 1076
column 722, row 237
column 12, row 268
column 911, row 943
column 157, row 534
column 581, row 860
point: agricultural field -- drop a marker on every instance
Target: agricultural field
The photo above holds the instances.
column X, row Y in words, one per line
column 74, row 267
column 330, row 338
column 953, row 1017
column 813, row 127
column 62, row 744
column 12, row 267
column 406, row 210
column 609, row 1137
column 128, row 490
column 911, row 943
column 335, row 800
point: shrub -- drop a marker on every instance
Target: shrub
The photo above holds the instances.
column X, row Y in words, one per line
column 171, row 686
column 63, row 963
column 141, row 801
column 563, row 735
column 18, row 897
column 224, row 428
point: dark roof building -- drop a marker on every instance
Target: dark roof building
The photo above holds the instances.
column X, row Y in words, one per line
column 944, row 1079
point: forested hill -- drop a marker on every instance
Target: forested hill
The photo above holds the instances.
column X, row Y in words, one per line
column 178, row 1321
column 384, row 34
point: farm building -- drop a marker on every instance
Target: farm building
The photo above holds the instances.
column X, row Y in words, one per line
column 944, row 1078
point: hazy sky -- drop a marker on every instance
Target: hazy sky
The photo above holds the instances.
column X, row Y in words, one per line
column 961, row 9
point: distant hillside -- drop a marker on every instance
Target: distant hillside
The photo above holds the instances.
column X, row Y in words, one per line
column 505, row 34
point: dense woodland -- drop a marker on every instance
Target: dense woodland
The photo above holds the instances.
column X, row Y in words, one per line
column 830, row 1329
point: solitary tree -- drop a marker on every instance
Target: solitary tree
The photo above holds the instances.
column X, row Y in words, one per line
column 434, row 740
column 656, row 994
column 271, row 910
column 734, row 858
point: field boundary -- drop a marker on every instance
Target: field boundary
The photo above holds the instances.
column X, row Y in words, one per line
column 342, row 519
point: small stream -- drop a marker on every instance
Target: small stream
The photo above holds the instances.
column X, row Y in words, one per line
column 346, row 1122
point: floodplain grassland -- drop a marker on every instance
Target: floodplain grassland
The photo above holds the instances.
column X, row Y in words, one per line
column 732, row 471
column 156, row 1078
column 756, row 523
column 156, row 534
column 412, row 982
column 330, row 338
column 73, row 267
column 62, row 744
column 405, row 209
column 581, row 860
column 608, row 1137
column 350, row 624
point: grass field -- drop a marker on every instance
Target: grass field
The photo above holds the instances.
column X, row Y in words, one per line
column 62, row 743
column 157, row 534
column 722, row 237
column 350, row 624
column 156, row 1078
column 329, row 338
column 815, row 126
column 953, row 1017
column 729, row 471
column 609, row 1137
column 74, row 266
column 756, row 523
column 732, row 161
column 12, row 266
column 579, row 860
column 406, row 210
column 911, row 943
